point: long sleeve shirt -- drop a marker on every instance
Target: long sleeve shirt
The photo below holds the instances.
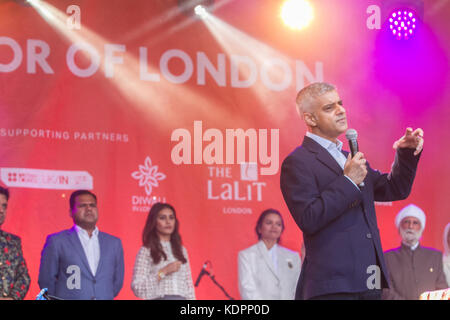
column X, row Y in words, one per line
column 146, row 283
column 14, row 277
column 413, row 272
column 91, row 247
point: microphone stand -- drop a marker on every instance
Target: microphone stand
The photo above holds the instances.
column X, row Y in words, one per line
column 213, row 278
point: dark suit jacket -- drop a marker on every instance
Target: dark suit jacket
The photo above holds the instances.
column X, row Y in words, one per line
column 63, row 260
column 338, row 221
column 14, row 276
column 412, row 272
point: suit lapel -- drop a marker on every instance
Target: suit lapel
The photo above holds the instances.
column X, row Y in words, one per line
column 325, row 157
column 265, row 254
column 76, row 243
column 322, row 154
column 102, row 245
column 282, row 261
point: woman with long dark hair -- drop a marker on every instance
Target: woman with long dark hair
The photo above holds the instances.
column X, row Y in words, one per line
column 161, row 269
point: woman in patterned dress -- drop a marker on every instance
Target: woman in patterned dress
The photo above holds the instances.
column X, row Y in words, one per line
column 161, row 269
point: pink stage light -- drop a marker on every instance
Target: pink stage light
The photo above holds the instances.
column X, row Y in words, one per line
column 406, row 19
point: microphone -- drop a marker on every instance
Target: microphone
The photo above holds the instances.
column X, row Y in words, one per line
column 352, row 136
column 201, row 274
column 42, row 295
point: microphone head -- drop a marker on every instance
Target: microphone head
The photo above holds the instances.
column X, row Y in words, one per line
column 351, row 134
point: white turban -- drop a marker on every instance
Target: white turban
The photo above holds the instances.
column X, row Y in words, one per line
column 411, row 211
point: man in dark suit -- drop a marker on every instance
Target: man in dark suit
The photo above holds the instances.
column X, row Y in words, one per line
column 14, row 277
column 82, row 263
column 322, row 187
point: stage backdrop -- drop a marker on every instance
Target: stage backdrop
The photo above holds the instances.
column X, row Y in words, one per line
column 140, row 103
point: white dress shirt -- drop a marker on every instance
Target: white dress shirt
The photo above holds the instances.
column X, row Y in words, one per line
column 91, row 247
column 414, row 247
column 273, row 255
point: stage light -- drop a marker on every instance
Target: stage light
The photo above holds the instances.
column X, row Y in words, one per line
column 196, row 8
column 402, row 23
column 126, row 79
column 297, row 14
column 402, row 17
column 200, row 11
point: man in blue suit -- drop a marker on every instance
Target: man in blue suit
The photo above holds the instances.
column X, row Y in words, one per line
column 82, row 263
column 322, row 187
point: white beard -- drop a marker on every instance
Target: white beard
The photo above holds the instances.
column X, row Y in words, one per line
column 410, row 237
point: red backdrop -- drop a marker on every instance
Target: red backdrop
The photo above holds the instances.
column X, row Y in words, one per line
column 99, row 107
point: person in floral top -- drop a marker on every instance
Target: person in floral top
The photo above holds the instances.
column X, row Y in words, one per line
column 14, row 277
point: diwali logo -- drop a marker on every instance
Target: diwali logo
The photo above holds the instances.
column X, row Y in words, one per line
column 148, row 176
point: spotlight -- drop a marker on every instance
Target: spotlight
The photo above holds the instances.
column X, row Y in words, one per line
column 297, row 14
column 403, row 23
column 403, row 17
column 200, row 11
column 196, row 8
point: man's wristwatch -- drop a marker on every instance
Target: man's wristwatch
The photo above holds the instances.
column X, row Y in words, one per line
column 161, row 275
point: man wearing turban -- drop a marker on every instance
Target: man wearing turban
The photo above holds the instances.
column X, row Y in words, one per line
column 413, row 269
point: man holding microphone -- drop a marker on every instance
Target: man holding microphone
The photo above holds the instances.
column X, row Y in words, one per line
column 331, row 195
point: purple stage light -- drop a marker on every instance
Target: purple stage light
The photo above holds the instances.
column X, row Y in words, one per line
column 404, row 21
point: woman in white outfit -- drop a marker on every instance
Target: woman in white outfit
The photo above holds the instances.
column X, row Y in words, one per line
column 446, row 255
column 266, row 270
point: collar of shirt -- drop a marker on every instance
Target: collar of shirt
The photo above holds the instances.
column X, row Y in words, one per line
column 165, row 244
column 412, row 248
column 273, row 255
column 80, row 231
column 327, row 144
column 91, row 247
column 272, row 250
column 334, row 149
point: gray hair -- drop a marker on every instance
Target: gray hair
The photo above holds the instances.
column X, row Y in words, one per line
column 306, row 97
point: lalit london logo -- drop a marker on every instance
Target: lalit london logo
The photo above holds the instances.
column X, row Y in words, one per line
column 148, row 177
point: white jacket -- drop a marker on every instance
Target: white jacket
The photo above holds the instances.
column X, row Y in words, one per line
column 258, row 279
